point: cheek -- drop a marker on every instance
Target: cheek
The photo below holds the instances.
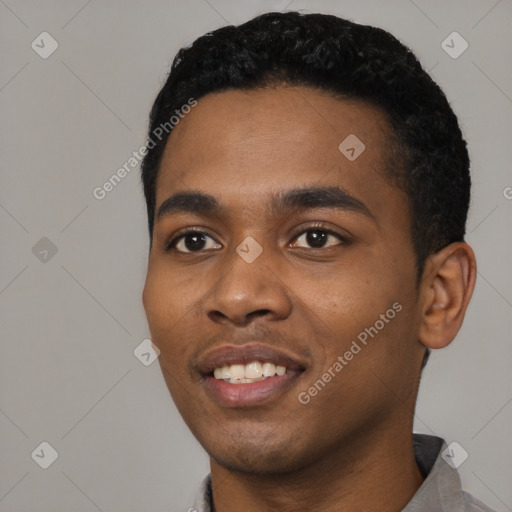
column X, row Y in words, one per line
column 167, row 314
column 362, row 312
column 344, row 302
column 168, row 305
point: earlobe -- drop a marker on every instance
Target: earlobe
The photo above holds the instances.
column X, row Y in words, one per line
column 446, row 288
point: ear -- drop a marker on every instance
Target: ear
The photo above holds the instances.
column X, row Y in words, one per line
column 446, row 288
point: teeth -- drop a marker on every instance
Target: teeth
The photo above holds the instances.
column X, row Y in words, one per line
column 222, row 373
column 269, row 369
column 237, row 371
column 243, row 381
column 251, row 372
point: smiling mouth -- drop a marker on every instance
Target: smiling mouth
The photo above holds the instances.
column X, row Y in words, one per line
column 255, row 371
column 249, row 375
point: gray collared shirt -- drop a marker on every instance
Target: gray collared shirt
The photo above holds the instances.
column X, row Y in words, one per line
column 441, row 490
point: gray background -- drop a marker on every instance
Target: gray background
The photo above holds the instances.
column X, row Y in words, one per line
column 70, row 324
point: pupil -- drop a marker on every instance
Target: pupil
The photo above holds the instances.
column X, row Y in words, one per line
column 195, row 242
column 316, row 238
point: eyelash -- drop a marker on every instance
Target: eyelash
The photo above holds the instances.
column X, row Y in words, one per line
column 171, row 244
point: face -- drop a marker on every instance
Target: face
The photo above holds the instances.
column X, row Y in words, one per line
column 275, row 248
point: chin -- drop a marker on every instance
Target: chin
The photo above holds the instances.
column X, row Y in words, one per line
column 258, row 463
column 264, row 454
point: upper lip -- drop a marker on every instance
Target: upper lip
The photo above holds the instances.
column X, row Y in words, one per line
column 229, row 354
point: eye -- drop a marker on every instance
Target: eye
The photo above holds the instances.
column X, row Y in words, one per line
column 318, row 238
column 193, row 241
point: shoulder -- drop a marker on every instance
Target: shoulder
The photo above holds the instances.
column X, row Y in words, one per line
column 472, row 504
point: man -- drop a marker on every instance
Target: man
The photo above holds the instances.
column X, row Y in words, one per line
column 307, row 187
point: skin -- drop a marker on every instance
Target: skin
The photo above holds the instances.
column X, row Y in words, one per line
column 350, row 447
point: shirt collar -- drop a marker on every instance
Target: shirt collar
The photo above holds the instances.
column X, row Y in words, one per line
column 441, row 490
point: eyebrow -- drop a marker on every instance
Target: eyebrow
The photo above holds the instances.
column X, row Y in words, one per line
column 293, row 200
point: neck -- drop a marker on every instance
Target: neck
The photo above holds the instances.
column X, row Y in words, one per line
column 378, row 474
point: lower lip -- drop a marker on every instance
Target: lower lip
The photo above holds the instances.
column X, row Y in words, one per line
column 246, row 395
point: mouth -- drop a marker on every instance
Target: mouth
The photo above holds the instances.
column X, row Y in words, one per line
column 255, row 371
column 248, row 375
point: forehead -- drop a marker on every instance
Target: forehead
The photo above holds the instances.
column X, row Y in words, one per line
column 246, row 145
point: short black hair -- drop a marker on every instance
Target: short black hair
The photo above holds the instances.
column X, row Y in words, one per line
column 429, row 159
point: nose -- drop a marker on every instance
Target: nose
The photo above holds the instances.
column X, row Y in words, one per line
column 248, row 291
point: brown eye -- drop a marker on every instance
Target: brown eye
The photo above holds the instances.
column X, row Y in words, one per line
column 318, row 238
column 193, row 241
